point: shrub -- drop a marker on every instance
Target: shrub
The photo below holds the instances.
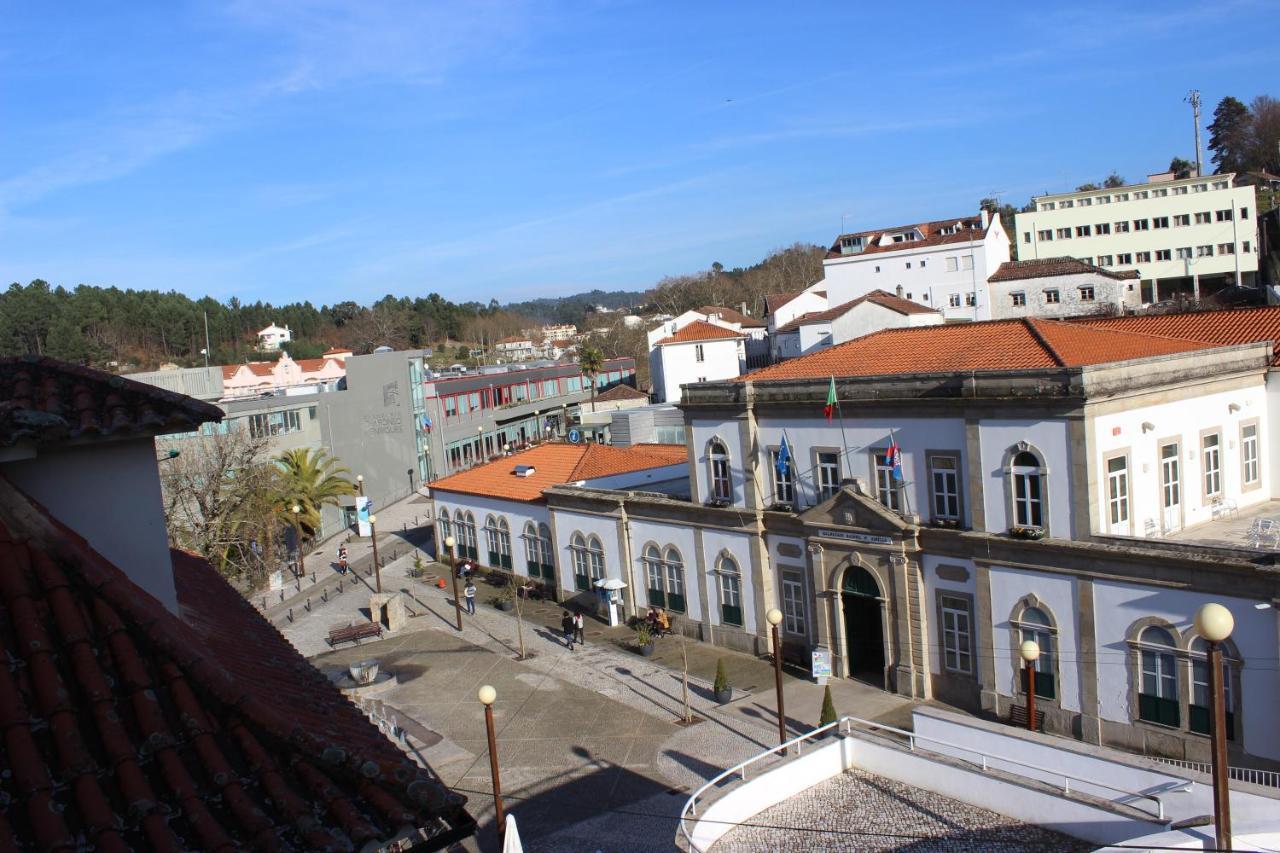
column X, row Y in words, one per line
column 828, row 708
column 722, row 677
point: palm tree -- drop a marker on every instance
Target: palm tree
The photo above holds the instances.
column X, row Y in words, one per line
column 310, row 480
column 591, row 361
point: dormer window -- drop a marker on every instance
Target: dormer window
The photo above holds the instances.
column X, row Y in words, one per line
column 852, row 245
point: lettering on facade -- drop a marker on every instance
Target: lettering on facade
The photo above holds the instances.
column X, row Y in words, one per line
column 391, row 395
column 952, row 572
column 383, row 424
column 855, row 537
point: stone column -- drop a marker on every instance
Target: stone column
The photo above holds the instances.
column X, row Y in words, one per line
column 985, row 660
column 1087, row 655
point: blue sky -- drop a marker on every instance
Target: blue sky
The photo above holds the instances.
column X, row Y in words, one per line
column 282, row 150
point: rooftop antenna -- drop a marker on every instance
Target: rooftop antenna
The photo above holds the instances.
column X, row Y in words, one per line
column 843, row 217
column 1193, row 98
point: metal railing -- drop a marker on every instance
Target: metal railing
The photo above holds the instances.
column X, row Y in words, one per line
column 845, row 725
column 1266, row 778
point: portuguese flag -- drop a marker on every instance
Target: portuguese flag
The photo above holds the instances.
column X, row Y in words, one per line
column 831, row 399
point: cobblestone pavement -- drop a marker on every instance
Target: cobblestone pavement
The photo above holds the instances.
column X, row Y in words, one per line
column 862, row 812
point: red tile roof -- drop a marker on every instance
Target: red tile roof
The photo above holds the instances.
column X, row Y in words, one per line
column 128, row 728
column 930, row 235
column 700, row 331
column 731, row 315
column 621, row 392
column 989, row 346
column 774, row 301
column 336, row 351
column 879, row 297
column 44, row 400
column 313, row 365
column 1049, row 267
column 555, row 464
column 1224, row 328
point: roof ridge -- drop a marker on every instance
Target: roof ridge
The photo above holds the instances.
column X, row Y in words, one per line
column 1032, row 325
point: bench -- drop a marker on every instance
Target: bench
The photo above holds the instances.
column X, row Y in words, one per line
column 354, row 633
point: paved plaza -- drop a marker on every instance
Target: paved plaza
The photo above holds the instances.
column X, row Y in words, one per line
column 862, row 812
column 593, row 752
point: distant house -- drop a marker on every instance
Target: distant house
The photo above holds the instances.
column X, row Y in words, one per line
column 259, row 377
column 862, row 316
column 515, row 348
column 1060, row 287
column 273, row 336
column 697, row 352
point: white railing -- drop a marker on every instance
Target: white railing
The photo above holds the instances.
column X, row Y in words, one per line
column 1267, row 778
column 984, row 759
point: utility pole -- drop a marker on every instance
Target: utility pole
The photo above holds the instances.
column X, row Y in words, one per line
column 1193, row 98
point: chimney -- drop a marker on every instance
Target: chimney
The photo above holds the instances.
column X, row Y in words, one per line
column 900, row 291
column 986, row 219
column 742, row 307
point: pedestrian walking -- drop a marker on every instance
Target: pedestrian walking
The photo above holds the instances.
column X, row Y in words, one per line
column 579, row 628
column 342, row 559
column 470, row 595
column 566, row 628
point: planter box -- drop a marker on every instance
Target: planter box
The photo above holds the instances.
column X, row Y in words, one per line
column 646, row 651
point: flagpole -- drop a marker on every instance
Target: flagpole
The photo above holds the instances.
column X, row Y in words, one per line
column 906, row 496
column 844, row 442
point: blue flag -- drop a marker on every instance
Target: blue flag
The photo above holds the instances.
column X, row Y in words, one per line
column 894, row 459
column 783, row 462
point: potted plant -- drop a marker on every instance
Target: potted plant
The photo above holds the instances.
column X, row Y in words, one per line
column 828, row 708
column 722, row 688
column 644, row 639
column 1026, row 532
column 503, row 599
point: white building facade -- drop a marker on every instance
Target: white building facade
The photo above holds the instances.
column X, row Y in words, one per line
column 273, row 336
column 1181, row 235
column 697, row 352
column 943, row 264
column 1061, row 287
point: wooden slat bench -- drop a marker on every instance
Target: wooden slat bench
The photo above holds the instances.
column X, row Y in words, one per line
column 354, row 633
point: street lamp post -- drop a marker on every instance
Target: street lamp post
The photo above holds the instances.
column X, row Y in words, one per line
column 774, row 617
column 297, row 530
column 487, row 695
column 480, row 457
column 360, row 483
column 373, row 535
column 1214, row 622
column 453, row 571
column 1030, row 652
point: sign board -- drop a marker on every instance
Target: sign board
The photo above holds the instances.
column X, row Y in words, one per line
column 363, row 505
column 277, row 580
column 821, row 666
column 575, row 436
column 855, row 537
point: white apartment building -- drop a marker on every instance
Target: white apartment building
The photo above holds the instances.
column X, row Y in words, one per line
column 515, row 348
column 1182, row 235
column 697, row 352
column 943, row 264
column 1060, row 287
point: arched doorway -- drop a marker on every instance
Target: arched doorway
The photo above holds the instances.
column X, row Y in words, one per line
column 863, row 630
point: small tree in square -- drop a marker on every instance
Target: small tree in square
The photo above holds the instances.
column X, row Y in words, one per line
column 828, row 708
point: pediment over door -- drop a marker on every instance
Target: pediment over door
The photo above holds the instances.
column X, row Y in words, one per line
column 854, row 511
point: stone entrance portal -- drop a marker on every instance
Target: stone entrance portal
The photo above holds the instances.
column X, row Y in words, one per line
column 861, row 602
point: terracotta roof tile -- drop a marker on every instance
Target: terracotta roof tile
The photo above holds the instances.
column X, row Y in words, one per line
column 555, row 464
column 774, row 301
column 127, row 727
column 732, row 315
column 989, row 346
column 336, row 351
column 1048, row 267
column 44, row 400
column 700, row 331
column 314, row 365
column 930, row 234
column 621, row 392
column 1224, row 328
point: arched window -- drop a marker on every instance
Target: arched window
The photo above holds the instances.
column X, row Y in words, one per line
column 498, row 537
column 466, row 536
column 1028, row 490
column 444, row 529
column 1035, row 625
column 718, row 465
column 595, row 558
column 665, row 578
column 1158, row 687
column 581, row 569
column 1199, row 714
column 537, row 549
column 730, row 590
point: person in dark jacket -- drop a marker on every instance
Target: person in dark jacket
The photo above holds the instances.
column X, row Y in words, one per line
column 566, row 628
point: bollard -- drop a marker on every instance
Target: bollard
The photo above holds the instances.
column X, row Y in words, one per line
column 313, row 577
column 324, row 596
column 339, row 584
column 282, row 596
column 264, row 602
column 290, row 614
column 308, row 604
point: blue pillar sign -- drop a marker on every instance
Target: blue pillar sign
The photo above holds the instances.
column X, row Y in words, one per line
column 362, row 516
